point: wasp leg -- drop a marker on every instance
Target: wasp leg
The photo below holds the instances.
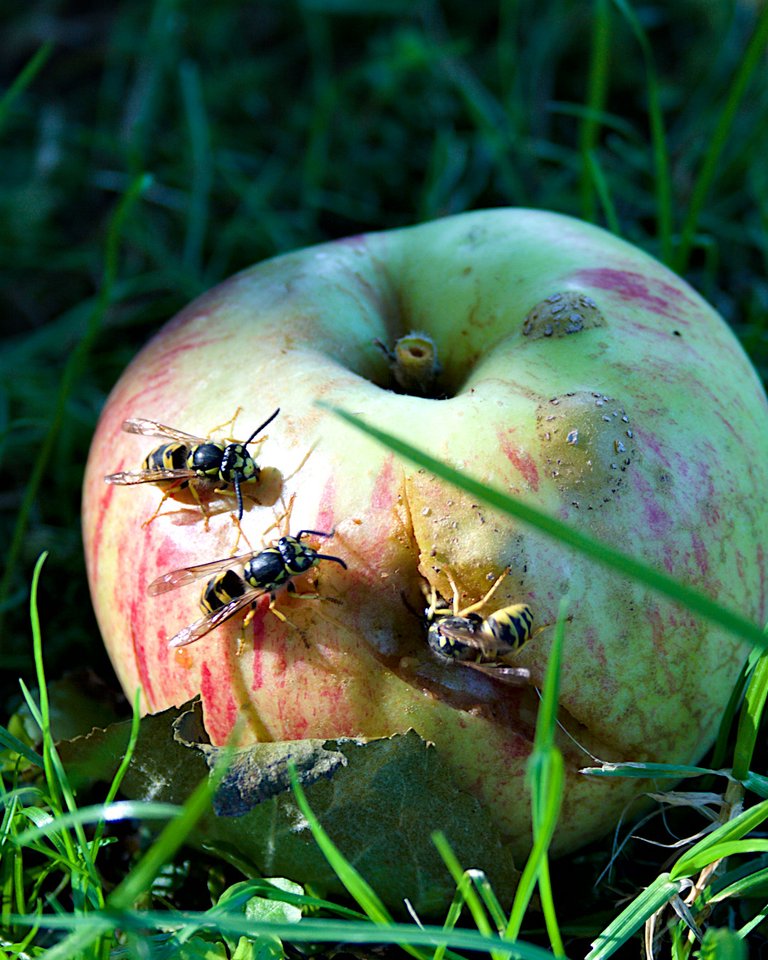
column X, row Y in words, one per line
column 302, row 462
column 229, row 424
column 284, row 518
column 433, row 610
column 168, row 492
column 240, row 533
column 480, row 603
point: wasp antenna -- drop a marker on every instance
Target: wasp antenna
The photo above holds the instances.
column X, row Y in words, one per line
column 326, row 556
column 259, row 429
column 238, row 496
column 313, row 533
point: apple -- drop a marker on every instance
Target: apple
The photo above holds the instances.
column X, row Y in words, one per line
column 575, row 372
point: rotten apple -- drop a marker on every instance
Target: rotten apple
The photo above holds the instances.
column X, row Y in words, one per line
column 571, row 370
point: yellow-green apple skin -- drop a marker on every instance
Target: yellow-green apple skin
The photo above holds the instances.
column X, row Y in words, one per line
column 637, row 419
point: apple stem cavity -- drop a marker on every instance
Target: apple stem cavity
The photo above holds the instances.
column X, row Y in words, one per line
column 413, row 365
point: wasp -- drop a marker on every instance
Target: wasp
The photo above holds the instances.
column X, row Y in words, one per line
column 189, row 461
column 482, row 643
column 238, row 582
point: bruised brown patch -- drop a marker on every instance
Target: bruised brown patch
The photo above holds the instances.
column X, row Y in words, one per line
column 650, row 293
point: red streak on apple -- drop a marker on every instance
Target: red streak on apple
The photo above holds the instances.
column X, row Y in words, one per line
column 103, row 508
column 700, row 552
column 325, row 514
column 218, row 700
column 521, row 460
column 654, row 295
column 384, row 490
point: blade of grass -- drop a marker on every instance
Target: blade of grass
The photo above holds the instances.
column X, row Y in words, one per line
column 756, row 783
column 749, row 719
column 123, row 767
column 136, row 883
column 722, row 745
column 622, row 928
column 100, row 813
column 603, row 192
column 465, row 889
column 733, row 830
column 545, row 776
column 645, row 771
column 308, row 931
column 59, row 788
column 597, row 89
column 23, row 80
column 730, row 620
column 662, row 178
column 358, row 888
column 717, row 141
column 15, row 745
column 719, row 851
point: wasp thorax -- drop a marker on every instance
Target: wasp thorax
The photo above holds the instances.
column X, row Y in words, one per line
column 206, row 459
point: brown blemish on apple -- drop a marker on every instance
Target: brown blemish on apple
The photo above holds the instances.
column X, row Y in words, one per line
column 181, row 655
column 561, row 315
column 588, row 444
column 650, row 294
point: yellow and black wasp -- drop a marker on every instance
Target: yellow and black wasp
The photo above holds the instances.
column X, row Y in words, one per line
column 238, row 582
column 189, row 461
column 482, row 643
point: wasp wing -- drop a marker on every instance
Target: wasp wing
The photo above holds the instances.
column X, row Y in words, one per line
column 177, row 578
column 151, row 428
column 150, row 476
column 466, row 631
column 512, row 676
column 203, row 626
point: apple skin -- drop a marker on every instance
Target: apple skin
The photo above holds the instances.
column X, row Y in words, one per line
column 646, row 428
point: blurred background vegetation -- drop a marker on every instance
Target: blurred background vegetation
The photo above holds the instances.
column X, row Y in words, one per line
column 150, row 148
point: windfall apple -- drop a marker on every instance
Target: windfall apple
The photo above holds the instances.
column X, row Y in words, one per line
column 573, row 371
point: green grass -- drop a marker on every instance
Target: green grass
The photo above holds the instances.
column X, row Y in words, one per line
column 152, row 149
